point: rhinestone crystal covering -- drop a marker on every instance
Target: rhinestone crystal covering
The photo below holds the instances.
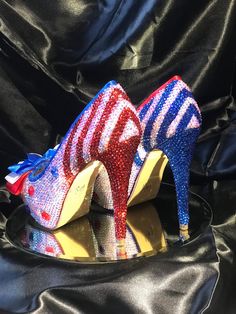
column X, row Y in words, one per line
column 170, row 120
column 109, row 131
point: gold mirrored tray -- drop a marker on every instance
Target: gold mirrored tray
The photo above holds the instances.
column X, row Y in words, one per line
column 151, row 228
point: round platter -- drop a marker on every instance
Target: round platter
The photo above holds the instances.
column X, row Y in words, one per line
column 152, row 228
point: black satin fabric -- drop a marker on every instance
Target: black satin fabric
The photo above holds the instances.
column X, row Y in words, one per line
column 54, row 57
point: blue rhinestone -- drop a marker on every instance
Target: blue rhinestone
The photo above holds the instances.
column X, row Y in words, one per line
column 54, row 172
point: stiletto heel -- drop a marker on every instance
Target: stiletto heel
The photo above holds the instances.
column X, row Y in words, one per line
column 170, row 120
column 119, row 181
column 179, row 150
column 57, row 187
column 118, row 161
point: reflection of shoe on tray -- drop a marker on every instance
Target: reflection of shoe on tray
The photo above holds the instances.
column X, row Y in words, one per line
column 72, row 241
column 144, row 232
column 94, row 237
column 144, row 223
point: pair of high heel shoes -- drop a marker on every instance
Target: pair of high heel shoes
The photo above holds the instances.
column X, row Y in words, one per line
column 118, row 153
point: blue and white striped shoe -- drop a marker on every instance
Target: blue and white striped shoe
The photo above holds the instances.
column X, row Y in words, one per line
column 171, row 121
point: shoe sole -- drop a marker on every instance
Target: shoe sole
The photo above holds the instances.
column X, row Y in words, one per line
column 149, row 179
column 78, row 199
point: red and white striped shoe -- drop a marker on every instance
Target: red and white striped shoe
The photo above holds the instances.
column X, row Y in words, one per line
column 58, row 186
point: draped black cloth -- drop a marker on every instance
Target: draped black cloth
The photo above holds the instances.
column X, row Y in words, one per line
column 54, row 57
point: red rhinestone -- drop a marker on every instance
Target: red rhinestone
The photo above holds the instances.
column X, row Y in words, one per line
column 45, row 216
column 49, row 249
column 31, row 190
